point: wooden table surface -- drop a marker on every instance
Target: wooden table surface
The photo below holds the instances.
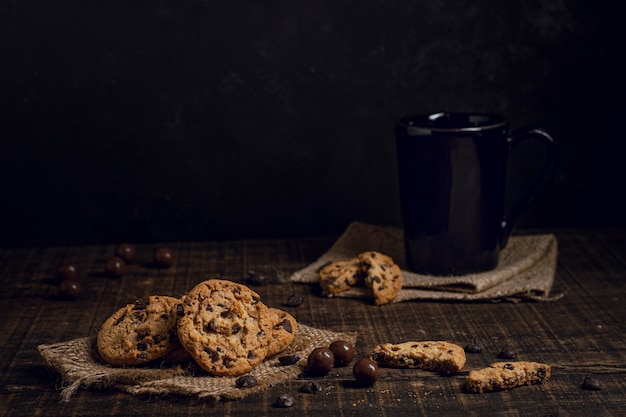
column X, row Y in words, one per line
column 583, row 334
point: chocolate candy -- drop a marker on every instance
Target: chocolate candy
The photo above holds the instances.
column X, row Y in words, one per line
column 69, row 289
column 592, row 384
column 115, row 266
column 288, row 359
column 246, row 381
column 126, row 251
column 310, row 387
column 507, row 352
column 343, row 352
column 294, row 300
column 67, row 271
column 365, row 372
column 474, row 347
column 320, row 361
column 164, row 257
column 285, row 400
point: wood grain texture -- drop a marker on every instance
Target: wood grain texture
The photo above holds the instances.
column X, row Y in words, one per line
column 580, row 335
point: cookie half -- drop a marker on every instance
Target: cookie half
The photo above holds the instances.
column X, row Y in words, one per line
column 141, row 332
column 225, row 327
column 429, row 355
column 284, row 328
column 340, row 276
column 382, row 275
column 506, row 375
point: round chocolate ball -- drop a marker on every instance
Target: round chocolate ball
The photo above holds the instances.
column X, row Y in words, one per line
column 164, row 257
column 115, row 266
column 320, row 361
column 67, row 272
column 343, row 352
column 126, row 251
column 69, row 289
column 365, row 372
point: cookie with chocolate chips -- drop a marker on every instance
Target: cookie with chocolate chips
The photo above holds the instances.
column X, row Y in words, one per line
column 340, row 276
column 140, row 332
column 381, row 275
column 225, row 327
column 284, row 327
column 506, row 375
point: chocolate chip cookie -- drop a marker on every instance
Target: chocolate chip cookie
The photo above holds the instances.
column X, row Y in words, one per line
column 225, row 327
column 140, row 332
column 429, row 355
column 284, row 327
column 340, row 276
column 382, row 275
column 506, row 375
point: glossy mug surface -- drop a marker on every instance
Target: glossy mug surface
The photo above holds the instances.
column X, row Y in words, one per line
column 453, row 177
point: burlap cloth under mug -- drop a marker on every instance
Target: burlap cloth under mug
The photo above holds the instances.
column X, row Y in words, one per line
column 525, row 271
column 78, row 363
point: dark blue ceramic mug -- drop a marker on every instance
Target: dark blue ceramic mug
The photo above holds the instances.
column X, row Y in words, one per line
column 453, row 178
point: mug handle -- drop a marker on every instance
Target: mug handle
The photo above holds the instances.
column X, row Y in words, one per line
column 550, row 163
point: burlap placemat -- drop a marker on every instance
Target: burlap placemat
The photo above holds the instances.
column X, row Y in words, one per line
column 78, row 363
column 526, row 268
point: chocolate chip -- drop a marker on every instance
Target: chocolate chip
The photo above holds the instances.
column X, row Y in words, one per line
column 541, row 373
column 507, row 352
column 142, row 346
column 294, row 300
column 159, row 338
column 246, row 381
column 180, row 311
column 228, row 362
column 285, row 401
column 474, row 347
column 213, row 355
column 224, row 313
column 508, row 366
column 289, row 359
column 592, row 384
column 286, row 324
column 143, row 333
column 210, row 326
column 310, row 387
column 235, row 328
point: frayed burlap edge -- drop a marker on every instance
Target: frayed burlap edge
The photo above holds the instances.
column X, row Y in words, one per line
column 526, row 268
column 78, row 363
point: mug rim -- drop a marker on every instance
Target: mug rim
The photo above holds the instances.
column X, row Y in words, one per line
column 426, row 121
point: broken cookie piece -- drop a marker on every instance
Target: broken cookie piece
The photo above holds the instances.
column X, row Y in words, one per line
column 506, row 375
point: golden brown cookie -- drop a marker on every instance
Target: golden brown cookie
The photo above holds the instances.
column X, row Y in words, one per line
column 429, row 355
column 382, row 275
column 340, row 276
column 225, row 327
column 506, row 375
column 141, row 332
column 284, row 328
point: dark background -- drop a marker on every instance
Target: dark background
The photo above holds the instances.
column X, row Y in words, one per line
column 170, row 120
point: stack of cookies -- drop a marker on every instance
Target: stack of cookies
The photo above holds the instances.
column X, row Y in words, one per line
column 376, row 271
column 222, row 325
